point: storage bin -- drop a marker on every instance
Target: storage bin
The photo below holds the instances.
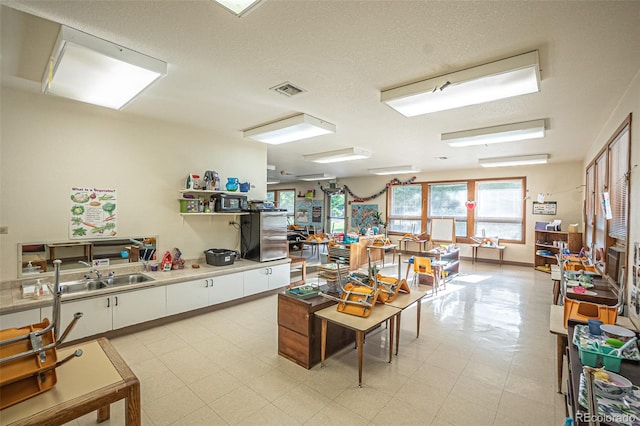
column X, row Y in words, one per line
column 584, row 311
column 601, row 357
column 189, row 205
column 220, row 257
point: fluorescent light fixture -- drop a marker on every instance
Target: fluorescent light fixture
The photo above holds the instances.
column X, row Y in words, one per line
column 514, row 161
column 96, row 71
column 272, row 182
column 347, row 154
column 398, row 170
column 238, row 7
column 317, row 176
column 301, row 126
column 496, row 134
column 509, row 77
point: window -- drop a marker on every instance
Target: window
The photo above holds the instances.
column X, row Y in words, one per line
column 608, row 174
column 447, row 200
column 499, row 208
column 283, row 199
column 405, row 212
column 336, row 213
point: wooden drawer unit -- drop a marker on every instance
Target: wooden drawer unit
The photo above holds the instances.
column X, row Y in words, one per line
column 299, row 330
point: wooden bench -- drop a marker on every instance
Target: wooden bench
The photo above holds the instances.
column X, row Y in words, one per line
column 302, row 262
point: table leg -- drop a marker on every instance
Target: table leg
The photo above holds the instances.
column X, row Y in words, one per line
column 501, row 255
column 323, row 341
column 418, row 315
column 360, row 344
column 104, row 413
column 133, row 413
column 391, row 329
column 561, row 343
column 397, row 333
column 474, row 253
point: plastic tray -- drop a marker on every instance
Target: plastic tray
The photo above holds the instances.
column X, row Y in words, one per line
column 303, row 292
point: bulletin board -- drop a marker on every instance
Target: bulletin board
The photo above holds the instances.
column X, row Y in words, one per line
column 308, row 212
column 443, row 230
column 548, row 207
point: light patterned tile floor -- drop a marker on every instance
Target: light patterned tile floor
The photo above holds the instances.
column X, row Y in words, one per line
column 484, row 357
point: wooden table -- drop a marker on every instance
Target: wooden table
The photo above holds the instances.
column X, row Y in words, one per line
column 89, row 383
column 360, row 325
column 384, row 248
column 422, row 244
column 402, row 302
column 87, row 246
column 556, row 326
column 475, row 247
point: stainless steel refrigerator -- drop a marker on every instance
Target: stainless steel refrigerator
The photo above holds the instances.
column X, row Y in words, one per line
column 264, row 235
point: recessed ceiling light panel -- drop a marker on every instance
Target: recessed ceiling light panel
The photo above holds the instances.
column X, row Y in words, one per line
column 96, row 71
column 518, row 75
column 514, row 161
column 496, row 134
column 298, row 127
column 398, row 170
column 347, row 154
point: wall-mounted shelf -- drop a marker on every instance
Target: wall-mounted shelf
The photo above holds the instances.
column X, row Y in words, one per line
column 209, row 191
column 214, row 214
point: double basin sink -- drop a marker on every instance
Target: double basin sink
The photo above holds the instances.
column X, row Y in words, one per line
column 88, row 284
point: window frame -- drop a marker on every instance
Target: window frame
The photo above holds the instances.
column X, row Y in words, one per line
column 471, row 216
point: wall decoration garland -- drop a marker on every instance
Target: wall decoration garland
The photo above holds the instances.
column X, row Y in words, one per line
column 356, row 199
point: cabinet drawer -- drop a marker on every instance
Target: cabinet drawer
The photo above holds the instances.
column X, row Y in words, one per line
column 293, row 346
column 294, row 315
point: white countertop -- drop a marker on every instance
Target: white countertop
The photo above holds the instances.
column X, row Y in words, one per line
column 11, row 299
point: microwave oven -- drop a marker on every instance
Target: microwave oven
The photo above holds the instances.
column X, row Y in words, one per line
column 230, row 203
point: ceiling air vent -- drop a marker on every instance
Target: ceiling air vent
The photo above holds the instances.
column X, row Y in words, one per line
column 287, row 89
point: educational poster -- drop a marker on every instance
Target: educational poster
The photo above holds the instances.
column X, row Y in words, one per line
column 308, row 213
column 92, row 213
column 363, row 215
column 550, row 207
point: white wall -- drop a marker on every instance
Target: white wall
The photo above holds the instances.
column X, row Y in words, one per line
column 558, row 182
column 630, row 103
column 51, row 144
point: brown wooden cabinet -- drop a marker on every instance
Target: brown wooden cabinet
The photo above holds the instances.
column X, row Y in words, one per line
column 547, row 242
column 355, row 254
column 299, row 330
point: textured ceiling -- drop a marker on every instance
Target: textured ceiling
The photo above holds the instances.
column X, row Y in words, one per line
column 343, row 53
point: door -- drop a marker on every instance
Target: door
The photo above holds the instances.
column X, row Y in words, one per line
column 226, row 287
column 273, row 244
column 96, row 316
column 256, row 281
column 279, row 276
column 187, row 296
column 135, row 307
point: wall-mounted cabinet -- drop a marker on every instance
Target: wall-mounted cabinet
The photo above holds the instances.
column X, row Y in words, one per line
column 547, row 247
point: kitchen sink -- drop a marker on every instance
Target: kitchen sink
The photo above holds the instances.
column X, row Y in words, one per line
column 97, row 284
column 126, row 279
column 81, row 285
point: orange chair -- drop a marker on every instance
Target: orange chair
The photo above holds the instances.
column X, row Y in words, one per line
column 422, row 266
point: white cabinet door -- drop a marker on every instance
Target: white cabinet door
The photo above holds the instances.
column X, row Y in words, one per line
column 96, row 316
column 20, row 319
column 279, row 276
column 135, row 307
column 256, row 281
column 226, row 287
column 187, row 296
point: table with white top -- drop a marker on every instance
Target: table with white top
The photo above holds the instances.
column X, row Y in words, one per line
column 379, row 314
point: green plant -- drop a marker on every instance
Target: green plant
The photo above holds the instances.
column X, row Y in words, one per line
column 378, row 219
